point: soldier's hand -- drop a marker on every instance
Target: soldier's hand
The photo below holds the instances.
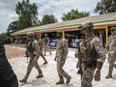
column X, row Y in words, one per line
column 97, row 76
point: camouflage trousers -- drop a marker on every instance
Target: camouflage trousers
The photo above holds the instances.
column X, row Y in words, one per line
column 111, row 60
column 61, row 72
column 41, row 54
column 87, row 76
column 46, row 47
column 33, row 63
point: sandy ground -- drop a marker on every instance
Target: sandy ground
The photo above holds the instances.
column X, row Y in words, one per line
column 19, row 65
column 12, row 51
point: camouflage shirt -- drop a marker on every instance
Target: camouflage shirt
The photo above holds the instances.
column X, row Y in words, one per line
column 35, row 45
column 111, row 45
column 95, row 44
column 62, row 50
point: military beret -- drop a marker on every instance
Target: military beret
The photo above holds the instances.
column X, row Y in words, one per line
column 113, row 28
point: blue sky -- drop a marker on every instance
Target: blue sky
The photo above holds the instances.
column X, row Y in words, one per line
column 55, row 7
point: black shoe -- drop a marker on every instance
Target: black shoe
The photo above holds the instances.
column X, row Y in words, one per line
column 23, row 81
column 45, row 63
column 68, row 80
column 108, row 76
column 60, row 82
column 39, row 76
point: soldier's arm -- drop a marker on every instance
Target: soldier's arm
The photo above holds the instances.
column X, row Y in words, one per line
column 64, row 50
column 99, row 49
column 101, row 54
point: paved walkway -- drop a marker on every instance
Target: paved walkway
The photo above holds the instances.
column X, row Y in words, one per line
column 50, row 72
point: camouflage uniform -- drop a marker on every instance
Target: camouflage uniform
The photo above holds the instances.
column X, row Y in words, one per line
column 61, row 55
column 33, row 54
column 46, row 44
column 111, row 46
column 41, row 51
column 90, row 43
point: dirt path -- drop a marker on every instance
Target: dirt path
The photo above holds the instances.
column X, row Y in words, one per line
column 13, row 51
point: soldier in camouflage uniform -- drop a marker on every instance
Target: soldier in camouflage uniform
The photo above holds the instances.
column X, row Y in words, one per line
column 61, row 56
column 92, row 56
column 40, row 42
column 32, row 50
column 46, row 44
column 111, row 47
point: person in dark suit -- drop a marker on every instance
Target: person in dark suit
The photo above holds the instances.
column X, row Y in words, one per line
column 7, row 76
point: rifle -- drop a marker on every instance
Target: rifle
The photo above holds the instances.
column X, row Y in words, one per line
column 79, row 64
column 27, row 55
column 93, row 61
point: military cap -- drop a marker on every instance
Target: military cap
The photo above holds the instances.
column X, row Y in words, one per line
column 113, row 28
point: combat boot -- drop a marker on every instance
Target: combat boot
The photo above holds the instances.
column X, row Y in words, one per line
column 108, row 76
column 23, row 81
column 45, row 63
column 39, row 76
column 68, row 80
column 60, row 82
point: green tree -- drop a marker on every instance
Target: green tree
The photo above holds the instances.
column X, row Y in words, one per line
column 27, row 14
column 3, row 36
column 48, row 19
column 73, row 14
column 13, row 27
column 106, row 6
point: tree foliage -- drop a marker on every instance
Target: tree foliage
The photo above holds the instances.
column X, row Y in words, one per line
column 13, row 27
column 3, row 36
column 27, row 14
column 106, row 6
column 73, row 14
column 48, row 19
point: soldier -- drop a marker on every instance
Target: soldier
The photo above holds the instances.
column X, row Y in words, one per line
column 46, row 43
column 41, row 49
column 111, row 47
column 32, row 50
column 61, row 55
column 92, row 56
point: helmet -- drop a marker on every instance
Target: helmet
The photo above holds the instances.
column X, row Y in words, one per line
column 87, row 28
column 46, row 35
column 113, row 28
column 30, row 34
column 86, row 25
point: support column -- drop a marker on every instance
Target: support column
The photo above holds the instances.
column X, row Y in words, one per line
column 39, row 35
column 106, row 34
column 63, row 34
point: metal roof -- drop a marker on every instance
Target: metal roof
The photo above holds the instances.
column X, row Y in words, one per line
column 99, row 21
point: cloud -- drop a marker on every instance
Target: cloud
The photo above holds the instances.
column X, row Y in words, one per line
column 7, row 15
column 55, row 7
column 58, row 7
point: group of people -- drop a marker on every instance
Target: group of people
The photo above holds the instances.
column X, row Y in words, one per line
column 90, row 55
